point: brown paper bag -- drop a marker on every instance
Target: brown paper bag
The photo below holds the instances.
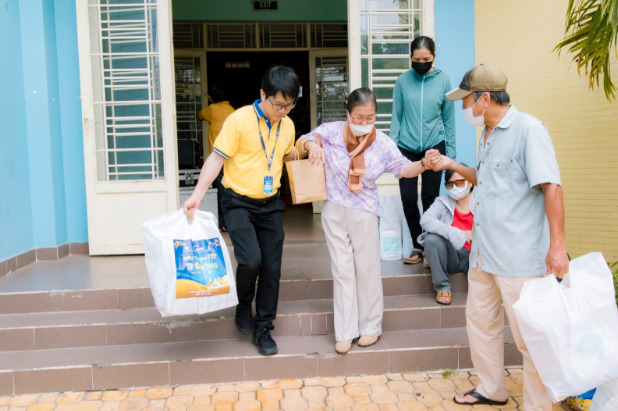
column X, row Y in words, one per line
column 307, row 182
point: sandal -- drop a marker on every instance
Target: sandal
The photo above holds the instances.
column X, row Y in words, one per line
column 414, row 258
column 446, row 295
column 481, row 399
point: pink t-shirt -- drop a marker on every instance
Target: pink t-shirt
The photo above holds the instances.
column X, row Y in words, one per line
column 383, row 155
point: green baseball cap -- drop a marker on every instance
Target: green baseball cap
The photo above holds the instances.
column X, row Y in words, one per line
column 481, row 78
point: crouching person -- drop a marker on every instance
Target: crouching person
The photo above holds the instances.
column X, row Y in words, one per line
column 447, row 236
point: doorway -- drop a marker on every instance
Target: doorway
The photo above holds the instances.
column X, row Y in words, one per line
column 241, row 73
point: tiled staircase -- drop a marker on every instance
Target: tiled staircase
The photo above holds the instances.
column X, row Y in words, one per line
column 96, row 339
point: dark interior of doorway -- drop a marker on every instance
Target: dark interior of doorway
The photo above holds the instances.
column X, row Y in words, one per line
column 241, row 73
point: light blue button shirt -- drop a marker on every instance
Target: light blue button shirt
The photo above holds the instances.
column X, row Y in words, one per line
column 511, row 232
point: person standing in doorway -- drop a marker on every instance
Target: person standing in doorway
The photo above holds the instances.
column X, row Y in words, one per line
column 518, row 229
column 252, row 146
column 216, row 113
column 422, row 119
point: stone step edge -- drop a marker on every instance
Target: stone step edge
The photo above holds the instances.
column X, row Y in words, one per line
column 172, row 372
column 128, row 298
column 459, row 301
column 64, row 291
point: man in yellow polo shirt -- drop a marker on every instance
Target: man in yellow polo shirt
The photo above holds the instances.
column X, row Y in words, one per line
column 253, row 144
column 216, row 113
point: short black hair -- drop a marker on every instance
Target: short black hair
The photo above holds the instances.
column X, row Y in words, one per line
column 217, row 92
column 281, row 79
column 360, row 97
column 423, row 42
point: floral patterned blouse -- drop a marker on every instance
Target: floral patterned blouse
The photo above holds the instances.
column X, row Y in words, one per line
column 383, row 155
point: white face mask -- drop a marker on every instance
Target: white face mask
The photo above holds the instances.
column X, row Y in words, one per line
column 472, row 119
column 359, row 130
column 457, row 193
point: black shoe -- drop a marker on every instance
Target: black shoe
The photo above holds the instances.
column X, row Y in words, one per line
column 244, row 318
column 265, row 343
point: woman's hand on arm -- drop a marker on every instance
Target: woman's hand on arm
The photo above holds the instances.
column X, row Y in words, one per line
column 317, row 156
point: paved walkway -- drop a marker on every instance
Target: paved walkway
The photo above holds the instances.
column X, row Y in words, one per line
column 395, row 392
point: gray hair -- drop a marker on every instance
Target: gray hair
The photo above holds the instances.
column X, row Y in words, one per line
column 501, row 98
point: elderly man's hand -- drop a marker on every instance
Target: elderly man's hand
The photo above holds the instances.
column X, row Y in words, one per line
column 437, row 161
column 557, row 262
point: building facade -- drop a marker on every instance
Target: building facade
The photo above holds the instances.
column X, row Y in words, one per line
column 99, row 98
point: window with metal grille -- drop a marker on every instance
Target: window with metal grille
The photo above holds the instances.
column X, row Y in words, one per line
column 189, row 36
column 387, row 29
column 126, row 90
column 283, row 35
column 238, row 36
column 329, row 35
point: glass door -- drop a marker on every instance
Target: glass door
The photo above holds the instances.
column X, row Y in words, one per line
column 329, row 85
column 191, row 97
column 128, row 119
column 329, row 90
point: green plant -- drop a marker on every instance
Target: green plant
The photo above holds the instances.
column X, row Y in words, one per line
column 590, row 34
column 447, row 374
column 614, row 269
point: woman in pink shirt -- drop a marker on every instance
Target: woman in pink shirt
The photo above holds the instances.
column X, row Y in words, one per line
column 355, row 155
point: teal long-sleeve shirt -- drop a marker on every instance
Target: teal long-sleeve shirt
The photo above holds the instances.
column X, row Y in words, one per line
column 422, row 116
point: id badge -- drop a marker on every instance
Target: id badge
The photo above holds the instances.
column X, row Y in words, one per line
column 268, row 185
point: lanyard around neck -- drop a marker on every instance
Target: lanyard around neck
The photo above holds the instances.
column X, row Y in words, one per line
column 272, row 155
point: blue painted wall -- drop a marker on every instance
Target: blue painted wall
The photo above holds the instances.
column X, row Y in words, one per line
column 41, row 152
column 455, row 55
column 15, row 204
column 71, row 121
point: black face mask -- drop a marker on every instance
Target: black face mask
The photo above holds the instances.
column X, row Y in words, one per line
column 422, row 68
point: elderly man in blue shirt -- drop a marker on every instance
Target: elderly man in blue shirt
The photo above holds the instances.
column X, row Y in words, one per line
column 518, row 228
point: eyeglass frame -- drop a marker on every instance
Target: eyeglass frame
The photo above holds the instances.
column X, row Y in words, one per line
column 280, row 107
column 455, row 183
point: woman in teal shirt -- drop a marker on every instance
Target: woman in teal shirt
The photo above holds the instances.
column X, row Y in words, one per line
column 423, row 119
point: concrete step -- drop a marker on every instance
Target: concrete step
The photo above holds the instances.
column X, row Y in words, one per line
column 151, row 365
column 41, row 331
column 141, row 297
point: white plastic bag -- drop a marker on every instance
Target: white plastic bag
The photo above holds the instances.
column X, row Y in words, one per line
column 407, row 244
column 606, row 397
column 188, row 264
column 571, row 328
column 390, row 228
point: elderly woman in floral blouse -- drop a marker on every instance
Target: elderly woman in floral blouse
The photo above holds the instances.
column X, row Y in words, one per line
column 355, row 155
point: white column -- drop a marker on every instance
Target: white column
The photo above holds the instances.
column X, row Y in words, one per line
column 354, row 44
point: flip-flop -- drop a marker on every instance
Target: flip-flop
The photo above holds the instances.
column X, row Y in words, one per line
column 415, row 253
column 481, row 399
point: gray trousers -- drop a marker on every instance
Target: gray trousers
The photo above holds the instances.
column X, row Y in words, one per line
column 444, row 260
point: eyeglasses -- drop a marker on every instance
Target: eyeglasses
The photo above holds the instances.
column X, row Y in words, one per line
column 370, row 119
column 458, row 183
column 280, row 107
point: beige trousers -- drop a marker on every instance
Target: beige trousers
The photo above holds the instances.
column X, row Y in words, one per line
column 487, row 294
column 354, row 246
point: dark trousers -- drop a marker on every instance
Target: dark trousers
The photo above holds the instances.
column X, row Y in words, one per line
column 430, row 189
column 218, row 183
column 257, row 235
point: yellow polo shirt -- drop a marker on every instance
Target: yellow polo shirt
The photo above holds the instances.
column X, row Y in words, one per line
column 216, row 114
column 245, row 162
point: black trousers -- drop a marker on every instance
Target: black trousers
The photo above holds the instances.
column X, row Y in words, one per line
column 218, row 183
column 257, row 235
column 430, row 189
